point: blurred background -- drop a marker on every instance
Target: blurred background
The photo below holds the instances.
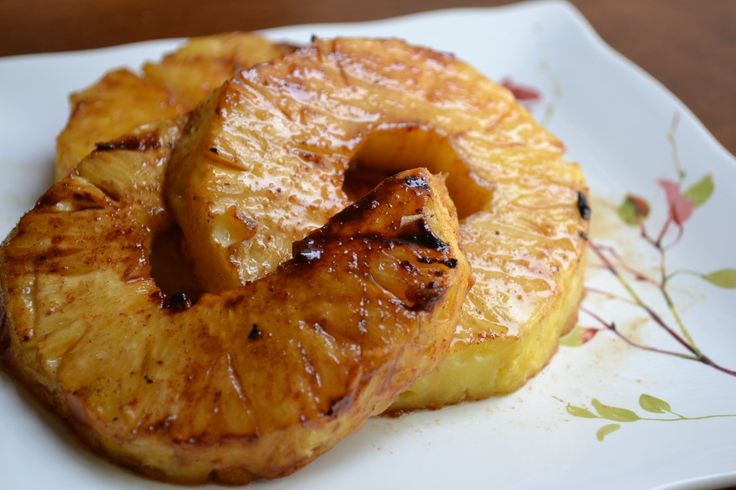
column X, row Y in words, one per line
column 689, row 45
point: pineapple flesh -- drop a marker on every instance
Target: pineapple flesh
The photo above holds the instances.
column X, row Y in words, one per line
column 252, row 382
column 122, row 100
column 263, row 159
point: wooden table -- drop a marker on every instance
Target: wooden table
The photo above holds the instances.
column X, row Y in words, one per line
column 689, row 45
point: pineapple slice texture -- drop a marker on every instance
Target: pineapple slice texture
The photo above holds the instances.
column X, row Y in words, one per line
column 262, row 162
column 122, row 100
column 253, row 382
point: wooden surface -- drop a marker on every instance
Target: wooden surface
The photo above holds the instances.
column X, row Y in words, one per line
column 689, row 45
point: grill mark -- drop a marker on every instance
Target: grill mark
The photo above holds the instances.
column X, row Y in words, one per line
column 109, row 193
column 426, row 297
column 255, row 333
column 131, row 142
column 420, row 233
column 449, row 263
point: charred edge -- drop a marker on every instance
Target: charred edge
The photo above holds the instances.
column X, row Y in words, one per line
column 425, row 298
column 83, row 196
column 312, row 249
column 449, row 263
column 356, row 211
column 178, row 302
column 50, row 198
column 384, row 192
column 158, row 298
column 416, row 182
column 65, row 191
column 409, row 267
column 255, row 333
column 583, row 207
column 85, row 200
column 583, row 235
column 420, row 233
column 306, row 250
column 132, row 142
column 214, row 150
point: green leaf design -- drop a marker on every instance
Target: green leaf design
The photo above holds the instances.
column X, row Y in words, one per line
column 700, row 192
column 578, row 336
column 653, row 404
column 572, row 339
column 632, row 209
column 724, row 278
column 583, row 412
column 614, row 413
column 605, row 430
column 627, row 213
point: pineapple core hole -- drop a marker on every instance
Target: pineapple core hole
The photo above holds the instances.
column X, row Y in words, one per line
column 385, row 152
column 170, row 266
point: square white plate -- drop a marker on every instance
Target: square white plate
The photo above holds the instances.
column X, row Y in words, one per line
column 615, row 120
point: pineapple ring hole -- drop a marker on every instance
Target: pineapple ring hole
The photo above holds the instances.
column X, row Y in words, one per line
column 171, row 267
column 391, row 149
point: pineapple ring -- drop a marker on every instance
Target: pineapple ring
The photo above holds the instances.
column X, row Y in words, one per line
column 263, row 161
column 122, row 100
column 253, row 382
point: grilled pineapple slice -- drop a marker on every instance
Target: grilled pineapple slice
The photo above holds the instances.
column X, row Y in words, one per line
column 252, row 382
column 204, row 63
column 262, row 162
column 123, row 100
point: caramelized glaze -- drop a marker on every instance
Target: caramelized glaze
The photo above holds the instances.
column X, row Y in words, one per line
column 286, row 132
column 253, row 382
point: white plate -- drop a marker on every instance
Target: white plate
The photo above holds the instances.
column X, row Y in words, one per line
column 614, row 119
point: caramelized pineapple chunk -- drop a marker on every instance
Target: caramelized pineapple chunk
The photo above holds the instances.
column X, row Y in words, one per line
column 252, row 382
column 262, row 162
column 122, row 100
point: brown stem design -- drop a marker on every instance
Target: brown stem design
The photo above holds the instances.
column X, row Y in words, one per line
column 685, row 340
column 662, row 233
column 638, row 275
column 609, row 295
column 688, row 344
column 612, row 327
column 662, row 286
